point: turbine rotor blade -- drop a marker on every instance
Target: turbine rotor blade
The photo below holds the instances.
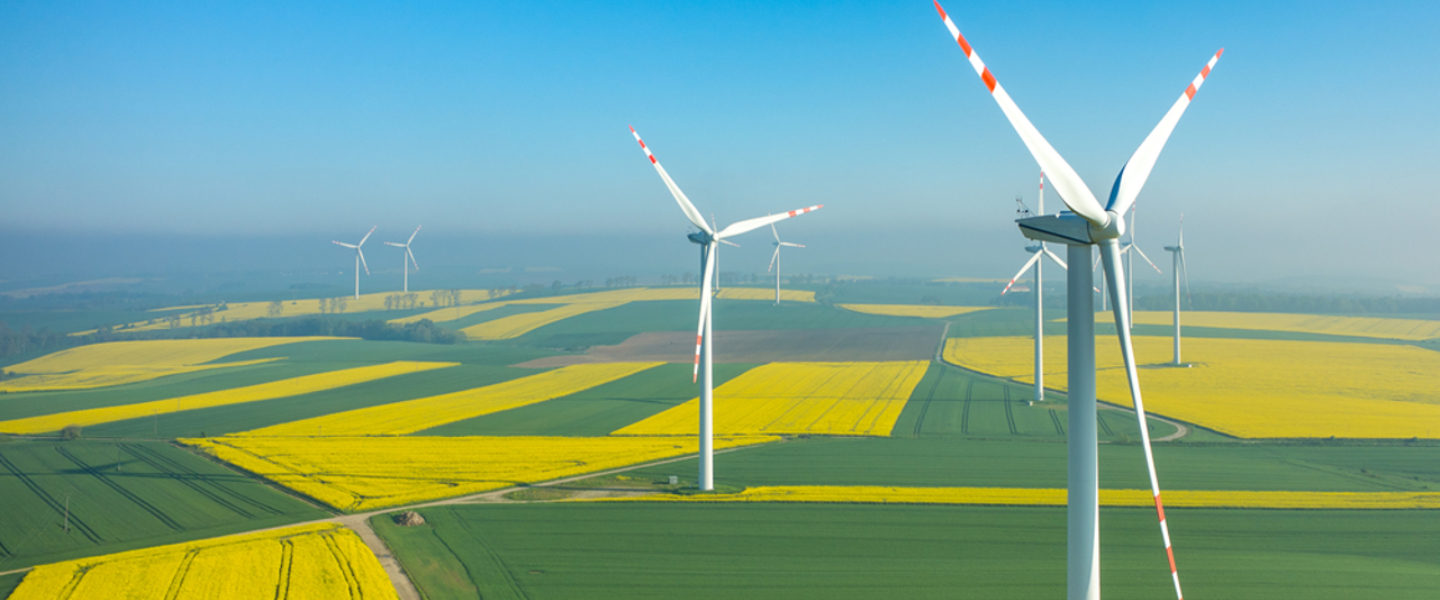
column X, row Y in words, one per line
column 367, row 236
column 1114, row 280
column 776, row 233
column 704, row 305
column 792, row 245
column 1056, row 259
column 1068, row 184
column 412, row 236
column 361, row 254
column 1028, row 264
column 685, row 204
column 343, row 244
column 1147, row 259
column 773, row 257
column 1185, row 270
column 1136, row 170
column 395, row 244
column 411, row 254
column 729, row 243
column 740, row 227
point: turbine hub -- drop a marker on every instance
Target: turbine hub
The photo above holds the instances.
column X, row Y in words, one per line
column 1111, row 231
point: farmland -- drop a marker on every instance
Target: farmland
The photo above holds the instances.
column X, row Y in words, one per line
column 121, row 496
column 1370, row 327
column 313, row 561
column 264, row 391
column 1252, row 388
column 765, row 550
column 912, row 310
column 117, row 363
column 887, row 457
column 424, row 413
column 995, row 496
column 800, row 398
column 355, row 474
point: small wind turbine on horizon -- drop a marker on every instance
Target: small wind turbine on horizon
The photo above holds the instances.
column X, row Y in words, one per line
column 775, row 260
column 709, row 239
column 359, row 259
column 1037, row 252
column 408, row 254
column 1126, row 251
column 1086, row 226
column 1177, row 255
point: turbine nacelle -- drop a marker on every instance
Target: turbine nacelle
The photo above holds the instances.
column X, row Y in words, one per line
column 1070, row 229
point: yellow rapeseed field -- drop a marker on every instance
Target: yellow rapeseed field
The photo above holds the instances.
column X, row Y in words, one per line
column 361, row 473
column 449, row 313
column 739, row 293
column 115, row 363
column 671, row 293
column 321, row 562
column 859, row 398
column 294, row 386
column 515, row 326
column 913, row 310
column 1399, row 329
column 1250, row 388
column 1056, row 497
column 400, row 418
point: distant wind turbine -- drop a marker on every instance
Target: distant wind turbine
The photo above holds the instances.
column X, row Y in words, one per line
column 408, row 254
column 775, row 260
column 359, row 259
column 1089, row 225
column 1126, row 251
column 1177, row 254
column 1037, row 252
column 709, row 239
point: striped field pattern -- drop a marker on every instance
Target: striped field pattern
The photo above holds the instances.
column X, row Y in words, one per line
column 410, row 416
column 318, row 562
column 265, row 391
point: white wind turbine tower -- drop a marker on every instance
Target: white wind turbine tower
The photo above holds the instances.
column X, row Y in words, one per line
column 1037, row 252
column 1086, row 226
column 1177, row 255
column 408, row 255
column 775, row 260
column 708, row 238
column 359, row 259
column 1129, row 249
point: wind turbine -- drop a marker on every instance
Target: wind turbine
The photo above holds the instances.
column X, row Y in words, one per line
column 1089, row 225
column 359, row 259
column 775, row 260
column 1126, row 250
column 1177, row 255
column 408, row 254
column 1037, row 252
column 708, row 238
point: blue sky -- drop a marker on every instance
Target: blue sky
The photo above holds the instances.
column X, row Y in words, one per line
column 1311, row 144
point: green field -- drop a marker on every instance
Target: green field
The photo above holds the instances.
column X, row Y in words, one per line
column 958, row 462
column 9, row 582
column 956, row 402
column 598, row 410
column 642, row 550
column 615, row 325
column 123, row 496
